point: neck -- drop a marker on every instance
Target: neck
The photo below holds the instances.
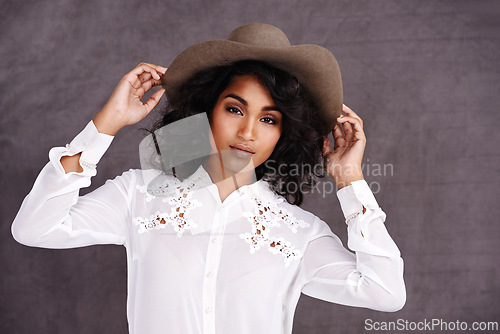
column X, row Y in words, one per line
column 225, row 179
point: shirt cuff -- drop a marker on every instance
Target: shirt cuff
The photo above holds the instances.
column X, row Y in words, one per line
column 356, row 196
column 90, row 142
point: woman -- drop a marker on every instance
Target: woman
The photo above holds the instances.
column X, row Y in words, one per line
column 224, row 249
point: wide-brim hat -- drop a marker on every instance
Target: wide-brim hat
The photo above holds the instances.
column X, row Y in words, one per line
column 314, row 66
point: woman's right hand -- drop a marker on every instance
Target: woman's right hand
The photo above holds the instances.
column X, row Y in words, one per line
column 125, row 107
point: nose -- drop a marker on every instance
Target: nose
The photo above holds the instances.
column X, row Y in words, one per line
column 246, row 130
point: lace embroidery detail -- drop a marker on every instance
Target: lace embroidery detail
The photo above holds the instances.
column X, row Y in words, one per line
column 182, row 202
column 265, row 216
column 164, row 186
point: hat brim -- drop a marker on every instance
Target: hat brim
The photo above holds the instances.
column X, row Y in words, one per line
column 314, row 67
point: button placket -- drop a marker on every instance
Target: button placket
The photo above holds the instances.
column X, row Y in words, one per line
column 211, row 267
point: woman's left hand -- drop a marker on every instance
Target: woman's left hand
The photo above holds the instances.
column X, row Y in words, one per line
column 344, row 162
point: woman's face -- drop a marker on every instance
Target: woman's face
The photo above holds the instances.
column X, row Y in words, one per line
column 246, row 124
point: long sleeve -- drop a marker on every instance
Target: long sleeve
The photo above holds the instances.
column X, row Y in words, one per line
column 373, row 276
column 53, row 215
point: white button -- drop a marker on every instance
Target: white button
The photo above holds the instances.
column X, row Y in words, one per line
column 214, row 240
column 210, row 274
column 208, row 310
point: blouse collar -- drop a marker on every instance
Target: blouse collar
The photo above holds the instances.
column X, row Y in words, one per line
column 165, row 186
column 259, row 188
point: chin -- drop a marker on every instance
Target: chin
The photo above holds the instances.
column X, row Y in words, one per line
column 236, row 164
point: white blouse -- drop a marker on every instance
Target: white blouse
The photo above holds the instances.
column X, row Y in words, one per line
column 199, row 265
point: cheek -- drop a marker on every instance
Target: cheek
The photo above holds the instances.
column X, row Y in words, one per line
column 271, row 139
column 217, row 124
column 221, row 128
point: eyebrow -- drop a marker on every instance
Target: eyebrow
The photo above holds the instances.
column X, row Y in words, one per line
column 245, row 103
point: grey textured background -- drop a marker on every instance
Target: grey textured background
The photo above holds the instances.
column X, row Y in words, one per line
column 423, row 75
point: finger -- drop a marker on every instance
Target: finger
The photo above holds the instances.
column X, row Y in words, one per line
column 147, row 81
column 356, row 125
column 158, row 68
column 337, row 129
column 348, row 129
column 326, row 146
column 145, row 76
column 144, row 87
column 154, row 99
column 350, row 112
column 351, row 120
column 142, row 81
column 143, row 67
column 338, row 136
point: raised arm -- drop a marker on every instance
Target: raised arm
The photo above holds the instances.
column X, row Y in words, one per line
column 124, row 107
column 53, row 215
column 373, row 276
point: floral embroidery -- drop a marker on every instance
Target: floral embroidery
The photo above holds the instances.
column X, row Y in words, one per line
column 181, row 202
column 265, row 216
column 165, row 186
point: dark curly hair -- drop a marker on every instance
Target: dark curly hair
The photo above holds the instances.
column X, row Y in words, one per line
column 290, row 170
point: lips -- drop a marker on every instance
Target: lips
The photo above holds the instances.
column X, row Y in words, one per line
column 244, row 148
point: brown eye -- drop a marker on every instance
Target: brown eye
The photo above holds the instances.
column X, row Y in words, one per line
column 233, row 110
column 269, row 120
